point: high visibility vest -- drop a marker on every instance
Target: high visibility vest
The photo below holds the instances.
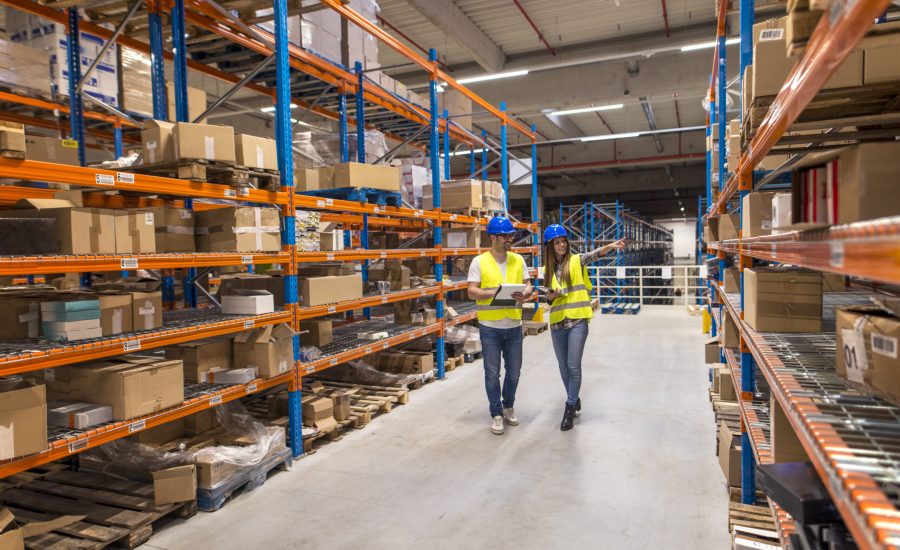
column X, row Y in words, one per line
column 492, row 278
column 575, row 302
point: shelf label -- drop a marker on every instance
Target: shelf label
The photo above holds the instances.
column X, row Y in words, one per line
column 418, row 213
column 383, row 254
column 452, row 217
column 136, row 426
column 385, row 345
column 215, row 400
column 310, row 369
column 129, row 263
column 376, row 210
column 249, row 324
column 229, row 193
column 837, row 254
column 124, row 177
column 104, row 179
column 76, row 446
column 774, row 251
column 251, row 388
column 320, row 203
column 329, row 256
column 333, row 361
column 244, row 191
column 384, row 299
column 132, row 345
column 422, row 253
column 332, row 309
column 247, row 259
column 367, row 349
column 854, row 350
column 329, row 202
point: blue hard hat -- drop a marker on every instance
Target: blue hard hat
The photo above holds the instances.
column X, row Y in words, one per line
column 500, row 226
column 553, row 231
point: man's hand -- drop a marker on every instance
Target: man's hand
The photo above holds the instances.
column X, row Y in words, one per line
column 524, row 296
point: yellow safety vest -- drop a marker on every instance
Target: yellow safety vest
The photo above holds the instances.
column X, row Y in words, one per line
column 575, row 302
column 492, row 278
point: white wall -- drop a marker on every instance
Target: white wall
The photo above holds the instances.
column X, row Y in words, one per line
column 685, row 234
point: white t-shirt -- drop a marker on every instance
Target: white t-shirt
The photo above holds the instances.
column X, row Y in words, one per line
column 475, row 277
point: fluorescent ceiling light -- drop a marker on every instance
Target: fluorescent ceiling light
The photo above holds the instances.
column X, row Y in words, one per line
column 459, row 153
column 611, row 136
column 491, row 76
column 439, row 88
column 272, row 108
column 587, row 110
column 708, row 45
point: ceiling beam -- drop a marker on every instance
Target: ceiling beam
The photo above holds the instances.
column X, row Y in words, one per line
column 449, row 19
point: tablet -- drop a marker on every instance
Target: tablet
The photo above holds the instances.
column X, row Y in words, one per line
column 505, row 292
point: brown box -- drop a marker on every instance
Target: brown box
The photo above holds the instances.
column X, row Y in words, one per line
column 45, row 149
column 196, row 102
column 785, row 445
column 340, row 401
column 726, row 384
column 392, row 271
column 162, row 434
column 833, row 282
column 233, row 282
column 212, row 471
column 455, row 194
column 783, row 300
column 203, row 141
column 732, row 280
column 20, row 315
column 354, row 174
column 78, row 230
column 730, row 455
column 308, row 179
column 726, row 227
column 177, row 484
column 711, row 351
column 146, row 310
column 315, row 333
column 23, row 419
column 757, row 214
column 201, row 356
column 135, row 232
column 492, row 195
column 462, row 238
column 200, row 422
column 867, row 178
column 318, row 412
column 115, row 312
column 729, row 335
column 269, row 349
column 867, row 356
column 799, row 25
column 157, row 141
column 238, row 229
column 256, row 152
column 317, row 291
column 174, row 229
column 404, row 362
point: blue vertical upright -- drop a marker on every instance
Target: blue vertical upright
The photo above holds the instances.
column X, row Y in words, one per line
column 286, row 169
column 446, row 174
column 76, row 103
column 710, row 197
column 361, row 158
column 117, row 139
column 618, row 252
column 433, row 151
column 157, row 63
column 484, row 153
column 504, row 164
column 472, row 162
column 535, row 215
column 342, row 127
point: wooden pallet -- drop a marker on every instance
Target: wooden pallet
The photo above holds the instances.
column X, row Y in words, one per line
column 474, row 212
column 213, row 172
column 359, row 194
column 12, row 140
column 116, row 511
column 752, row 525
column 210, row 500
column 533, row 328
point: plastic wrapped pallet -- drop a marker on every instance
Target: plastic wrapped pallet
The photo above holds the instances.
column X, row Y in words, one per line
column 137, row 91
column 22, row 66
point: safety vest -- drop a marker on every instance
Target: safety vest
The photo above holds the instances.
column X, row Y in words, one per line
column 575, row 302
column 492, row 278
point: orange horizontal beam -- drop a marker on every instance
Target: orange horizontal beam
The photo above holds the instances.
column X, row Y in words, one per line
column 368, row 301
column 114, row 262
column 52, row 124
column 302, row 201
column 46, row 105
column 462, row 318
column 447, row 252
column 77, row 352
column 362, row 254
column 31, row 170
column 110, row 432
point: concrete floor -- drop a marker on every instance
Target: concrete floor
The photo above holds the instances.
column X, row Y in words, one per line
column 638, row 471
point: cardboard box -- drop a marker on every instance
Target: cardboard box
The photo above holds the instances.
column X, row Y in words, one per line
column 783, row 300
column 867, row 339
column 177, row 484
column 455, row 194
column 729, row 335
column 315, row 333
column 785, row 445
column 880, row 56
column 492, row 195
column 726, row 227
column 318, row 412
column 78, row 230
column 135, row 232
column 58, row 151
column 27, row 236
column 196, row 99
column 115, row 312
column 340, row 400
column 232, row 376
column 201, row 356
column 203, row 141
column 244, row 301
column 64, row 331
column 317, row 291
column 20, row 315
column 730, row 455
column 331, row 240
column 238, row 229
column 255, row 152
column 711, row 351
column 23, row 419
column 146, row 310
column 732, row 280
column 392, row 271
column 781, row 212
column 867, row 182
column 354, row 174
column 833, row 282
column 13, row 534
column 726, row 384
column 162, row 434
column 799, row 25
column 404, row 362
column 157, row 141
column 462, row 238
column 200, row 422
column 174, row 229
column 231, row 283
column 756, row 213
column 308, row 179
column 132, row 385
column 212, row 471
column 270, row 350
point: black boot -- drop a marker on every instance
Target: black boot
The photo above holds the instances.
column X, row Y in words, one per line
column 578, row 407
column 568, row 420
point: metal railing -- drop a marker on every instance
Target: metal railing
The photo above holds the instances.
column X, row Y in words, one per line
column 648, row 284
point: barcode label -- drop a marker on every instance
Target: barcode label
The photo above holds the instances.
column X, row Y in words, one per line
column 76, row 446
column 135, row 426
column 329, row 256
column 771, row 34
column 247, row 260
column 320, row 203
column 383, row 254
column 244, row 191
column 452, row 217
column 329, row 202
column 385, row 346
column 367, row 349
column 333, row 361
column 215, row 400
column 230, row 193
column 884, row 345
column 125, row 178
column 105, row 179
column 384, row 300
column 129, row 263
column 422, row 292
column 249, row 324
column 419, row 213
column 332, row 309
column 132, row 345
column 837, row 254
column 376, row 210
column 251, row 388
column 310, row 369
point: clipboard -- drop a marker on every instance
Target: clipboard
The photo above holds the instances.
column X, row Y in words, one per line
column 503, row 296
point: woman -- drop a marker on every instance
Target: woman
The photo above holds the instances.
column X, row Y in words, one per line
column 566, row 278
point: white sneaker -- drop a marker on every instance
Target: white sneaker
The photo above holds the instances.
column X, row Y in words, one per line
column 509, row 416
column 497, row 425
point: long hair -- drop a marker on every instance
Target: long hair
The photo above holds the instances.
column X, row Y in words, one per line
column 550, row 263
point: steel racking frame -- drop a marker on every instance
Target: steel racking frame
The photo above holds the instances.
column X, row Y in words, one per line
column 396, row 116
column 867, row 249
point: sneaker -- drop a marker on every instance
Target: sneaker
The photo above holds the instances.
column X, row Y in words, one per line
column 497, row 425
column 509, row 416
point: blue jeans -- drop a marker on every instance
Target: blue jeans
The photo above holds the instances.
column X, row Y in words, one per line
column 569, row 347
column 495, row 341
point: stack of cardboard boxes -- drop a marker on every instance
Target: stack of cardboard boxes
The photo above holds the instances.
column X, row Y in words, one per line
column 867, row 347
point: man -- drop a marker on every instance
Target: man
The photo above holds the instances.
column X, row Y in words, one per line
column 500, row 325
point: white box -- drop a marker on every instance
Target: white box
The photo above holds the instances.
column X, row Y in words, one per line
column 68, row 336
column 781, row 212
column 231, row 376
column 77, row 415
column 248, row 302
